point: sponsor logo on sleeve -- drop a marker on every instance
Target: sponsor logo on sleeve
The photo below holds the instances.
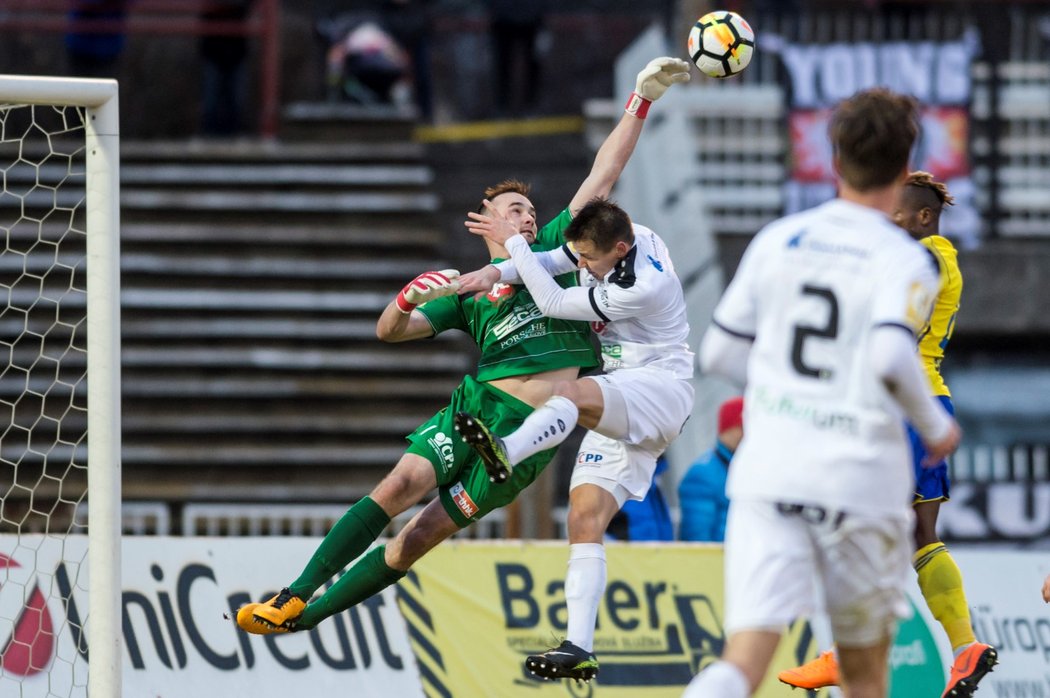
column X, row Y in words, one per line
column 920, row 305
column 602, row 293
column 500, row 292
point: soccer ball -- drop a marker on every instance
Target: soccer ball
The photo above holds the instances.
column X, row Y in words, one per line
column 721, row 43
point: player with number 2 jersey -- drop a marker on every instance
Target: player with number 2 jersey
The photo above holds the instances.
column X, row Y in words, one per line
column 820, row 323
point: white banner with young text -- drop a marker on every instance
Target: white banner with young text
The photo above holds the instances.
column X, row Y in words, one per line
column 936, row 73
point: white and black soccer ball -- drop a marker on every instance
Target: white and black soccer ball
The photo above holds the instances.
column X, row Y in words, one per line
column 721, row 43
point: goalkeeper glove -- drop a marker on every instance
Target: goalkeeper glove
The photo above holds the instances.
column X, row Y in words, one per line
column 653, row 81
column 426, row 287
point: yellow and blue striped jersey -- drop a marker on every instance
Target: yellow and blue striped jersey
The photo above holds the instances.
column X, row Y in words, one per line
column 934, row 338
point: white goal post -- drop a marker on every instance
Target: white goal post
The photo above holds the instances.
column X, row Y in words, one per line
column 43, row 445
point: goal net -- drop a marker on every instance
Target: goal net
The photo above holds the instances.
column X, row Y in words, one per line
column 60, row 584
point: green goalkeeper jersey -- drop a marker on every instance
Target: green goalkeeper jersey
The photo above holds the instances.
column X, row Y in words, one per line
column 515, row 338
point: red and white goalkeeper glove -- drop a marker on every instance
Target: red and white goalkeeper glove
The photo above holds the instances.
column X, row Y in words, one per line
column 426, row 287
column 653, row 81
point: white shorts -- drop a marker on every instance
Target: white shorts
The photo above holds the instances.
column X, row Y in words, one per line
column 622, row 470
column 646, row 407
column 645, row 410
column 783, row 563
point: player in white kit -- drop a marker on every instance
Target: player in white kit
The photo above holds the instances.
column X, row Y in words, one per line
column 631, row 295
column 819, row 322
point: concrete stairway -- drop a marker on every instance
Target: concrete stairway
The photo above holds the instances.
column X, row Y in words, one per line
column 253, row 277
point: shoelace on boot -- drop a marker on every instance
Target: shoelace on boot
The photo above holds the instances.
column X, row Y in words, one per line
column 284, row 597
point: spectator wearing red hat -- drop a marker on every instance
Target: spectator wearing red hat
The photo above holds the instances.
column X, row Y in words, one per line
column 702, row 492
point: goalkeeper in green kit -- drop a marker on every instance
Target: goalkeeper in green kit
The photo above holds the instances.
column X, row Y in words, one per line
column 523, row 354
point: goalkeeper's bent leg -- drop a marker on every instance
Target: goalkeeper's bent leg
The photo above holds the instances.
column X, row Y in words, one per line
column 351, row 536
column 369, row 576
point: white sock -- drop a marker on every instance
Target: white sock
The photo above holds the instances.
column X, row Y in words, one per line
column 718, row 680
column 545, row 428
column 584, row 586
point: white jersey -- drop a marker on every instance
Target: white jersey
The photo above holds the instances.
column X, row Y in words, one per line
column 820, row 427
column 637, row 310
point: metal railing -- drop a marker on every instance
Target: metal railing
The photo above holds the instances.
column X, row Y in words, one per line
column 1019, row 463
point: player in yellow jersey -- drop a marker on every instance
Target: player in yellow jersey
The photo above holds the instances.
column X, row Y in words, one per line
column 919, row 213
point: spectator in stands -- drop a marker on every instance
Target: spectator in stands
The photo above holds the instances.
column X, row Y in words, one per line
column 94, row 54
column 224, row 75
column 365, row 64
column 646, row 519
column 408, row 22
column 515, row 27
column 702, row 492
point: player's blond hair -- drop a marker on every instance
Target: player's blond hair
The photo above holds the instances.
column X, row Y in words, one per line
column 925, row 180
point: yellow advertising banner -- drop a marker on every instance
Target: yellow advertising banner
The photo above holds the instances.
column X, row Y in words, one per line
column 475, row 610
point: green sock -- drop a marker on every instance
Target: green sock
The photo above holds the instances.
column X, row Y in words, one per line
column 369, row 576
column 351, row 536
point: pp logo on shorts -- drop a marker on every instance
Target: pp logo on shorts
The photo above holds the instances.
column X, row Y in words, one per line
column 585, row 458
column 463, row 500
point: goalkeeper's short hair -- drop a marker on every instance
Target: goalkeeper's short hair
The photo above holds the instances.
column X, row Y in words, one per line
column 515, row 186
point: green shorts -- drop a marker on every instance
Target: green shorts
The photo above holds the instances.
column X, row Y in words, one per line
column 463, row 484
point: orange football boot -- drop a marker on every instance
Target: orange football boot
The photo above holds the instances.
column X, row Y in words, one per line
column 278, row 615
column 818, row 673
column 969, row 668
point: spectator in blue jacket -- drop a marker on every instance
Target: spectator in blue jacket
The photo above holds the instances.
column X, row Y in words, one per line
column 645, row 520
column 702, row 492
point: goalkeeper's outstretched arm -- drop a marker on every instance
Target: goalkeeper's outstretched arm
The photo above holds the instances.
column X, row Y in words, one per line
column 399, row 322
column 652, row 82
